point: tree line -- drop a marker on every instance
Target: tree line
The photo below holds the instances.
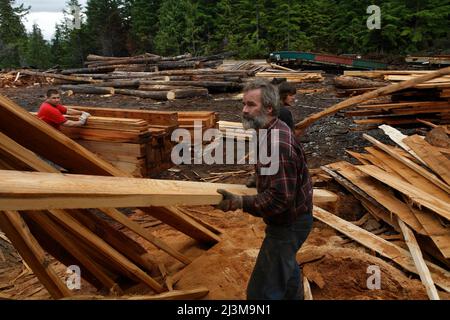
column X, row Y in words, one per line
column 251, row 28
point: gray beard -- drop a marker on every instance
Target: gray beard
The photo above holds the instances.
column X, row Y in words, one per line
column 256, row 123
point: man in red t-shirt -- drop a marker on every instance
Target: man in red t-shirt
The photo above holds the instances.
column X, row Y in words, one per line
column 52, row 112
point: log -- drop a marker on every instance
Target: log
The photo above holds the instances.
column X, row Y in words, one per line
column 93, row 57
column 170, row 65
column 58, row 76
column 119, row 84
column 131, row 60
column 162, row 87
column 88, row 89
column 186, row 93
column 155, row 95
column 371, row 95
column 345, row 82
column 88, row 70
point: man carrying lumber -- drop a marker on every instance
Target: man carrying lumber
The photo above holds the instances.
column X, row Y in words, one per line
column 284, row 199
column 52, row 112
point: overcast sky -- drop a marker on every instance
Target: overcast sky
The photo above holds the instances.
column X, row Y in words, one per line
column 45, row 13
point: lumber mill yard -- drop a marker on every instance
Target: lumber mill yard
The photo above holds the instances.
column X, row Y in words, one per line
column 106, row 197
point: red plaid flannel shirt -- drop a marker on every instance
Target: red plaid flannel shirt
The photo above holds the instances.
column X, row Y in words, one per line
column 286, row 195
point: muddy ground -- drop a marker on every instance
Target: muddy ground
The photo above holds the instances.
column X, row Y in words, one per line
column 338, row 267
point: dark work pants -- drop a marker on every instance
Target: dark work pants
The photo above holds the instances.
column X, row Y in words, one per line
column 276, row 275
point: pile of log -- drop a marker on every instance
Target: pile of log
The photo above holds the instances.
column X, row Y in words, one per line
column 149, row 76
column 15, row 79
column 407, row 188
column 50, row 220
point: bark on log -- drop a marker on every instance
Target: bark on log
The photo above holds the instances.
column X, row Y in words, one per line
column 186, row 93
column 120, row 84
column 345, row 82
column 88, row 89
column 212, row 86
column 59, row 76
column 162, row 87
column 170, row 65
column 93, row 57
column 88, row 70
column 370, row 95
column 155, row 95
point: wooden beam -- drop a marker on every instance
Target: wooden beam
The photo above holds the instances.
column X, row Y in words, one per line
column 370, row 95
column 42, row 191
column 420, row 264
column 389, row 250
column 379, row 192
column 418, row 169
column 431, row 155
column 17, row 231
column 101, row 245
column 192, row 294
column 135, row 227
column 418, row 196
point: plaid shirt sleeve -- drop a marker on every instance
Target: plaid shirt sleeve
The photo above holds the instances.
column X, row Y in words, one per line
column 280, row 194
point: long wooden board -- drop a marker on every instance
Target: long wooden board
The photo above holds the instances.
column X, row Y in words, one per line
column 379, row 192
column 389, row 250
column 41, row 191
column 435, row 204
column 431, row 156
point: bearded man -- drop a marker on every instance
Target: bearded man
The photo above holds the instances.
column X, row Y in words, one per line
column 283, row 201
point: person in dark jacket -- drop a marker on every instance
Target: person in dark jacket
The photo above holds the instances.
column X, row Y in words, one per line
column 283, row 201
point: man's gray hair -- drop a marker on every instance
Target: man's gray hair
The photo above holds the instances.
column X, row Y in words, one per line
column 269, row 94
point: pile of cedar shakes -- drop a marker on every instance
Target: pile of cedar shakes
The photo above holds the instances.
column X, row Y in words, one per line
column 428, row 101
column 138, row 142
column 46, row 214
column 407, row 187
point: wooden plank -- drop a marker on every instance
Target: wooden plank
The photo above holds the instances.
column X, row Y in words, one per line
column 101, row 245
column 49, row 142
column 419, row 262
column 389, row 250
column 147, row 235
column 430, row 222
column 435, row 160
column 191, row 294
column 30, row 250
column 42, row 191
column 435, row 204
column 379, row 192
column 174, row 217
column 398, row 137
column 73, row 247
column 418, row 169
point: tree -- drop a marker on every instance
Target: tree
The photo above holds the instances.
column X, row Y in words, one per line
column 143, row 20
column 37, row 50
column 105, row 21
column 12, row 33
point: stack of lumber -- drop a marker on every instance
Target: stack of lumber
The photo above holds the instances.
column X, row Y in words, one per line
column 292, row 76
column 50, row 216
column 405, row 90
column 253, row 66
column 142, row 153
column 234, row 130
column 428, row 101
column 409, row 189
